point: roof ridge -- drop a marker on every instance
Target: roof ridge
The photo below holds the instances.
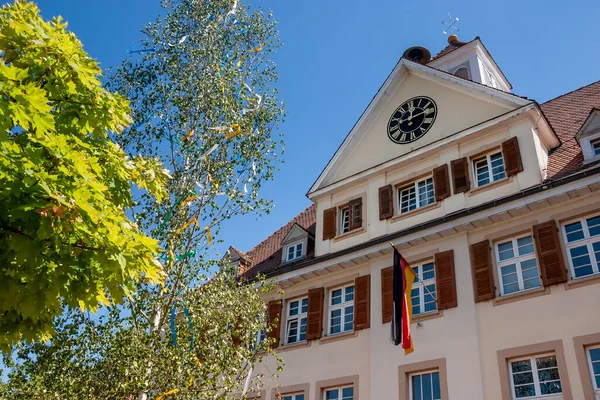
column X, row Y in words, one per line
column 292, row 221
column 572, row 91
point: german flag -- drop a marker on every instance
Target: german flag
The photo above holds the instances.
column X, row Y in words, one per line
column 402, row 311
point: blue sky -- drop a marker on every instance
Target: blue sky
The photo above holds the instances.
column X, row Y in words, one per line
column 338, row 53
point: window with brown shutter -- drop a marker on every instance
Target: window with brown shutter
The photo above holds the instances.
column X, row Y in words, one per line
column 274, row 321
column 362, row 302
column 329, row 223
column 386, row 202
column 512, row 156
column 481, row 268
column 441, row 182
column 549, row 253
column 314, row 325
column 460, row 175
column 387, row 294
column 355, row 207
column 445, row 280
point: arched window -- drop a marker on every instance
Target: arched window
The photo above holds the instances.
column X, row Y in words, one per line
column 462, row 72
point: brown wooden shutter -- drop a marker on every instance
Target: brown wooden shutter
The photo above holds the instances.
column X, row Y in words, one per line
column 274, row 321
column 387, row 294
column 314, row 325
column 362, row 302
column 355, row 211
column 549, row 254
column 329, row 223
column 441, row 182
column 386, row 202
column 445, row 280
column 512, row 156
column 460, row 175
column 483, row 276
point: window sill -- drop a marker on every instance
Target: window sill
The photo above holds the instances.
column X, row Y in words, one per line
column 338, row 336
column 294, row 260
column 489, row 186
column 427, row 316
column 416, row 211
column 584, row 281
column 351, row 233
column 293, row 346
column 522, row 295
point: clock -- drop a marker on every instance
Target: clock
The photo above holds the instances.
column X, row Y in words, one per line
column 412, row 120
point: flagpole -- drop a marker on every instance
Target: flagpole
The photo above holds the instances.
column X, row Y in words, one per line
column 418, row 280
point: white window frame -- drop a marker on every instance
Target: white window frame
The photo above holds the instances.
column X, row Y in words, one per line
column 295, row 255
column 340, row 388
column 410, row 382
column 488, row 158
column 344, row 219
column 593, row 143
column 587, row 146
column 517, row 260
column 342, row 306
column 591, row 369
column 293, row 396
column 296, row 318
column 415, row 186
column 419, row 283
column 588, row 241
column 536, row 377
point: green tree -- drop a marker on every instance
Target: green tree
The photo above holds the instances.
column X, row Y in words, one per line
column 201, row 87
column 65, row 238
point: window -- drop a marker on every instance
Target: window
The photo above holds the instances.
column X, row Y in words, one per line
column 299, row 396
column 488, row 169
column 534, row 377
column 296, row 320
column 596, row 147
column 341, row 310
column 425, row 386
column 462, row 72
column 345, row 219
column 583, row 245
column 423, row 291
column 340, row 393
column 417, row 194
column 593, row 354
column 293, row 252
column 517, row 265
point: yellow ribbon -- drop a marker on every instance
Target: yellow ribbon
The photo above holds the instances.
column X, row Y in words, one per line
column 172, row 391
column 237, row 130
column 186, row 137
column 171, row 254
column 208, row 235
column 189, row 200
column 256, row 50
column 212, row 181
column 239, row 63
column 187, row 224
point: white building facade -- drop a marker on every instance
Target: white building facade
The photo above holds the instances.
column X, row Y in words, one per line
column 493, row 199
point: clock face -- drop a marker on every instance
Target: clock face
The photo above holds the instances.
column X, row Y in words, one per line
column 412, row 120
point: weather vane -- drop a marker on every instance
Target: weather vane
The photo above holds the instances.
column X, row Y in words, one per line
column 451, row 27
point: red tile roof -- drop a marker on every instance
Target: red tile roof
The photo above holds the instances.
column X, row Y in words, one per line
column 566, row 114
column 266, row 256
column 450, row 48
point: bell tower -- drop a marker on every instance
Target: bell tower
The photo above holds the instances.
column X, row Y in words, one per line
column 470, row 60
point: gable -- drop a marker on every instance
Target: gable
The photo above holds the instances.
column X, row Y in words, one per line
column 296, row 233
column 591, row 125
column 461, row 104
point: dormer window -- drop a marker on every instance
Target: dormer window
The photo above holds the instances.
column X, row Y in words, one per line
column 294, row 252
column 596, row 146
column 589, row 137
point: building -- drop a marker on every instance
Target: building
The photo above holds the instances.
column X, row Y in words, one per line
column 492, row 198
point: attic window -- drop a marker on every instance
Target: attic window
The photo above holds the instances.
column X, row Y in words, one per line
column 596, row 147
column 294, row 252
column 462, row 72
